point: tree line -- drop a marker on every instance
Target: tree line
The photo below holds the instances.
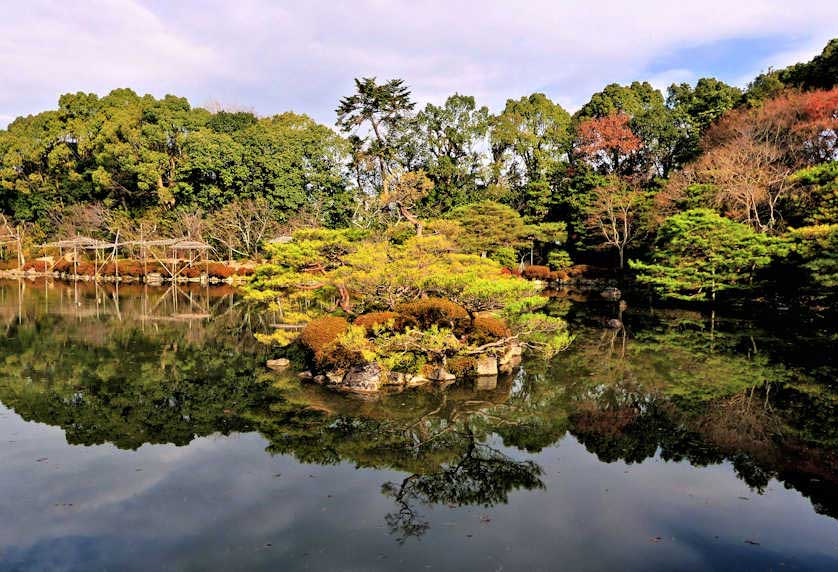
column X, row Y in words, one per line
column 636, row 176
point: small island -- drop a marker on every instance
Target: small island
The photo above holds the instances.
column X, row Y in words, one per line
column 395, row 311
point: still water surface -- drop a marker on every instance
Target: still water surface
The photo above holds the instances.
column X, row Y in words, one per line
column 140, row 431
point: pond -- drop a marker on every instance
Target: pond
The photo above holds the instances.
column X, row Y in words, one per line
column 140, row 430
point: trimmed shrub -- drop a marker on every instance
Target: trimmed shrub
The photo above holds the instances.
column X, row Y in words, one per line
column 536, row 272
column 578, row 270
column 36, row 265
column 192, row 271
column 369, row 321
column 434, row 312
column 131, row 268
column 218, row 270
column 320, row 333
column 487, row 329
column 245, row 271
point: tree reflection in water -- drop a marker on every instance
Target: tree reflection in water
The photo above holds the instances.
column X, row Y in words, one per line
column 680, row 385
column 482, row 475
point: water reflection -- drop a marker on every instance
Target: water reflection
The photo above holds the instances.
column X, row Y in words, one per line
column 139, row 366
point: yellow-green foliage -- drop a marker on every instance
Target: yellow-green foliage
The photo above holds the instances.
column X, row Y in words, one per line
column 353, row 342
column 546, row 334
column 414, row 297
column 279, row 337
column 817, row 249
column 405, row 351
column 559, row 260
column 378, row 274
column 312, row 248
column 434, row 342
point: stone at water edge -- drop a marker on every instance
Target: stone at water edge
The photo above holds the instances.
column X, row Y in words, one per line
column 487, row 365
column 397, row 379
column 417, row 380
column 400, row 379
column 278, row 364
column 305, row 375
column 363, row 378
column 442, row 374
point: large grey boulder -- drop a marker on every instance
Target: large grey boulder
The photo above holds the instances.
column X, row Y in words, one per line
column 363, row 378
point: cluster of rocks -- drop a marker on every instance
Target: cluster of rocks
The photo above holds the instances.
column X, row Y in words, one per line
column 372, row 378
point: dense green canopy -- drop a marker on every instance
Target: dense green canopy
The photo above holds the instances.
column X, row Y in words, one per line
column 137, row 164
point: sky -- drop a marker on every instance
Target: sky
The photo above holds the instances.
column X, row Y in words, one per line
column 270, row 56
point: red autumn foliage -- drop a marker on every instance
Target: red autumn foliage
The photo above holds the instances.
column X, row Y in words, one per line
column 192, row 272
column 218, row 270
column 318, row 336
column 536, row 272
column 607, row 142
column 133, row 268
column 138, row 269
column 36, row 266
column 749, row 155
column 802, row 126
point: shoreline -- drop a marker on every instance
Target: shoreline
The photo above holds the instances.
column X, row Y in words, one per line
column 151, row 279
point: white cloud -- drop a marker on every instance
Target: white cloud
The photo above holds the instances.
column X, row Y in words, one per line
column 278, row 55
column 51, row 47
